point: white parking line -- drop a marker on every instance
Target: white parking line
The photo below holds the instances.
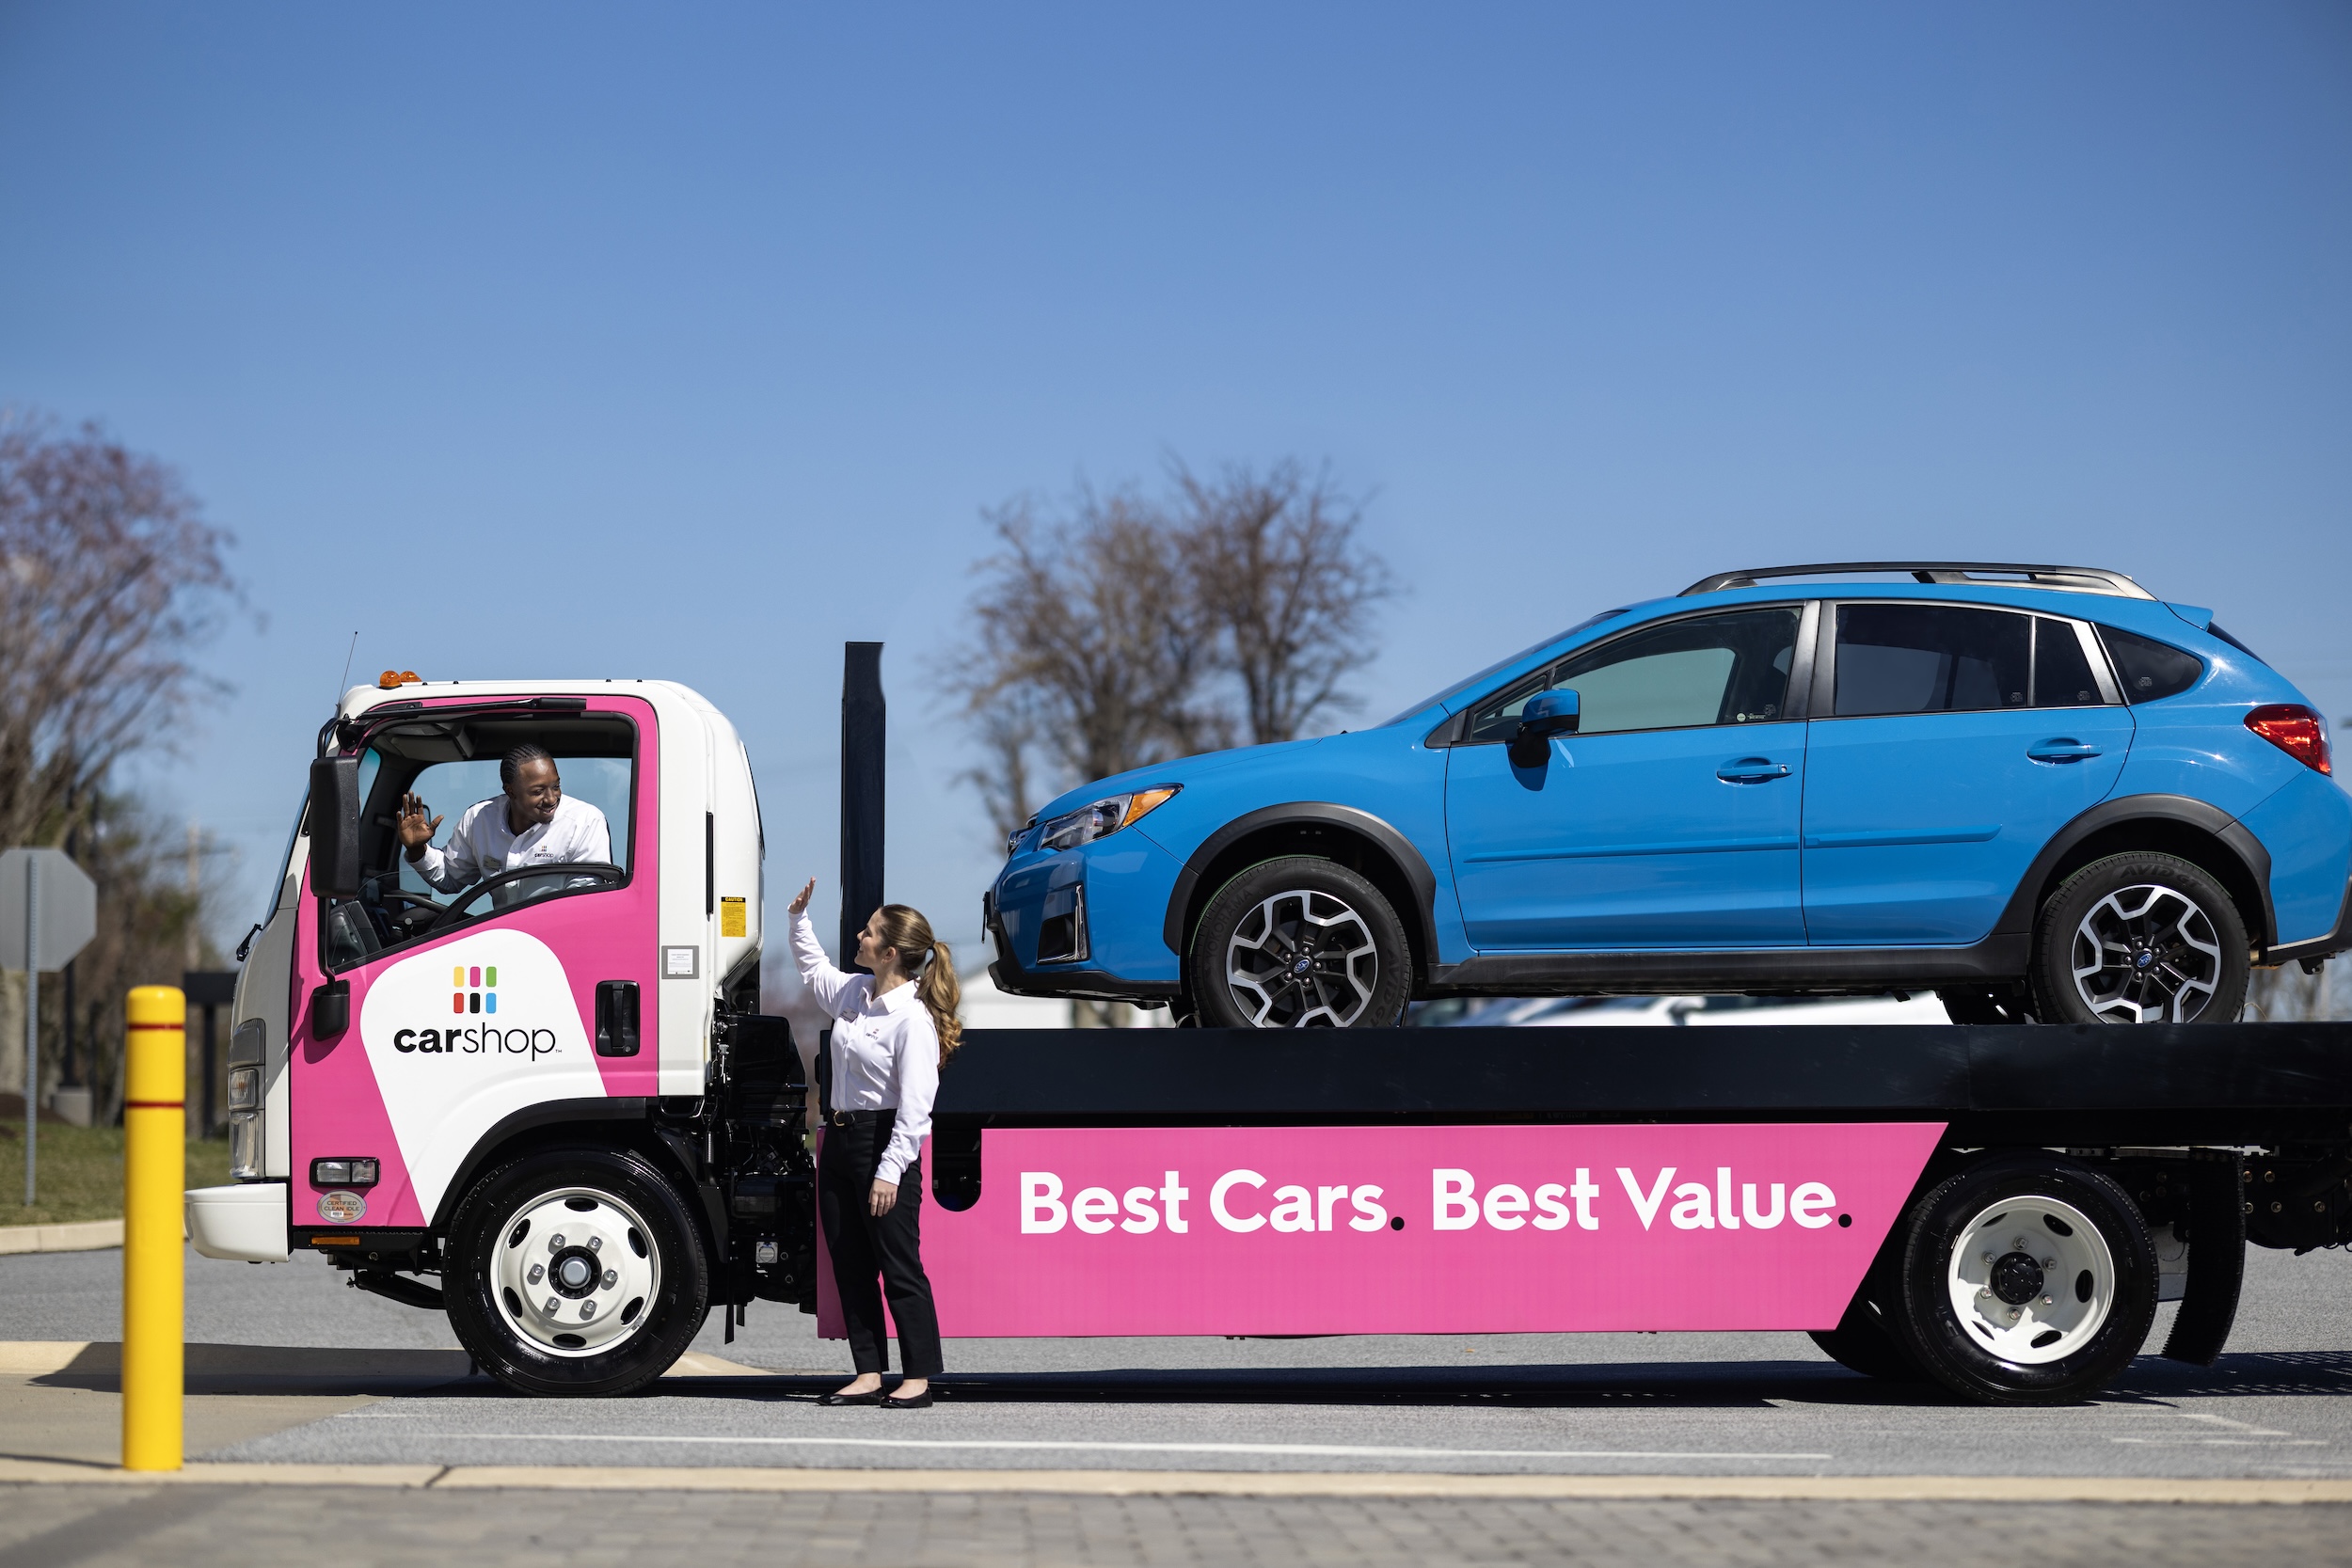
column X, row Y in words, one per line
column 1322, row 1450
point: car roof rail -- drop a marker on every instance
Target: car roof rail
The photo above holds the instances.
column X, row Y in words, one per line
column 2079, row 580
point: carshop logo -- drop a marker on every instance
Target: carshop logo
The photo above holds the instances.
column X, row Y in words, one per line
column 477, row 988
column 474, row 993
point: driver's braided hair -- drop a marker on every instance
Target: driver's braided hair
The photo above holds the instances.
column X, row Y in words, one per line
column 510, row 765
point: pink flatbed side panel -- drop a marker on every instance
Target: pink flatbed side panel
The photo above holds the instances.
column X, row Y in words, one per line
column 991, row 1277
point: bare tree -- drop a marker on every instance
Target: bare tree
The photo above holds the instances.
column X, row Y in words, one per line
column 109, row 577
column 1089, row 648
column 1277, row 569
column 1125, row 630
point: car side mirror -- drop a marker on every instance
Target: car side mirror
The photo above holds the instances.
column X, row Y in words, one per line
column 1546, row 714
column 334, row 821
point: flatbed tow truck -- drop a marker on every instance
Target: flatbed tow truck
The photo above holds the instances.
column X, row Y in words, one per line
column 552, row 1108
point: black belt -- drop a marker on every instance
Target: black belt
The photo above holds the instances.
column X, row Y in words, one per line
column 845, row 1118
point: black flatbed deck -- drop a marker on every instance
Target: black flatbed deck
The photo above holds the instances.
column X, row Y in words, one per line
column 2213, row 1085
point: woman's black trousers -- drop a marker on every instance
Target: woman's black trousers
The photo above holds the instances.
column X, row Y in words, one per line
column 864, row 1246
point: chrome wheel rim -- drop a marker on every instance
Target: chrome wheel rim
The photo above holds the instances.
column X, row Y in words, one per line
column 2031, row 1280
column 2146, row 955
column 575, row 1272
column 1302, row 959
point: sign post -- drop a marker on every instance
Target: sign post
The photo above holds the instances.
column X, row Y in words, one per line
column 48, row 913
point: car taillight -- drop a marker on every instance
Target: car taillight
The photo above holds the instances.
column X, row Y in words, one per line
column 2295, row 730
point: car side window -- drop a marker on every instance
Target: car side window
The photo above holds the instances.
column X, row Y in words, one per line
column 1702, row 669
column 2061, row 675
column 1930, row 659
column 2150, row 669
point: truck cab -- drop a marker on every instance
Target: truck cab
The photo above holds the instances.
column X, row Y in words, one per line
column 547, row 1050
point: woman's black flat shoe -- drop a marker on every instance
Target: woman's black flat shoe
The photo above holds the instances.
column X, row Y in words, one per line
column 920, row 1401
column 874, row 1398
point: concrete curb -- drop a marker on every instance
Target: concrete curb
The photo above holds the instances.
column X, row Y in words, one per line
column 88, row 1236
column 2002, row 1490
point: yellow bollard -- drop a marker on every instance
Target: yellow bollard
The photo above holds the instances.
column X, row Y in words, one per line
column 154, row 1175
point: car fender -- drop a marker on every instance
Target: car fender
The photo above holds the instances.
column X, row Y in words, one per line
column 1392, row 842
column 2025, row 904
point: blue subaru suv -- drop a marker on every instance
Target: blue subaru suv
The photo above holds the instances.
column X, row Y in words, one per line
column 2035, row 790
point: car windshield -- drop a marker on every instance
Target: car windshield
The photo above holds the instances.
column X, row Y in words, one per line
column 1501, row 664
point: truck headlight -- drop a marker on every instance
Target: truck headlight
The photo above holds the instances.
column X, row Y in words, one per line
column 245, row 1122
column 1101, row 818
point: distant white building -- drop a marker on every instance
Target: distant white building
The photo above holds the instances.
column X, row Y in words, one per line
column 986, row 1008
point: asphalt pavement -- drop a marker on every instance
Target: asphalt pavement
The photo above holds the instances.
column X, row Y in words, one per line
column 1756, row 1405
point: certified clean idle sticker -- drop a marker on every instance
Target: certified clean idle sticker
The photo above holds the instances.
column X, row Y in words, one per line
column 342, row 1208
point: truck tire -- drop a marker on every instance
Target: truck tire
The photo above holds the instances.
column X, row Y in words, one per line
column 1299, row 943
column 2027, row 1280
column 2140, row 938
column 575, row 1271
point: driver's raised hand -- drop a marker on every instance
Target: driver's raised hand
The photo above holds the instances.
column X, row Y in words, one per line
column 800, row 904
column 414, row 830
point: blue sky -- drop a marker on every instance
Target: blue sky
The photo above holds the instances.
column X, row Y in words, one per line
column 690, row 341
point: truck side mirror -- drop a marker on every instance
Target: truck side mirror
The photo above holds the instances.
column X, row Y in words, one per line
column 334, row 821
column 1546, row 714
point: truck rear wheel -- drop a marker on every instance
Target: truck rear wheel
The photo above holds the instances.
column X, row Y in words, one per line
column 1299, row 943
column 576, row 1272
column 2028, row 1280
column 1864, row 1341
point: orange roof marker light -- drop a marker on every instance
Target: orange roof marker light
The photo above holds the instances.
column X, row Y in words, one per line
column 390, row 679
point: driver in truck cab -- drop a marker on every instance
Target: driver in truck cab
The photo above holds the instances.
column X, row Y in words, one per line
column 533, row 823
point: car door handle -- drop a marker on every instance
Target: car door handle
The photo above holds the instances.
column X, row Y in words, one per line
column 1752, row 770
column 2061, row 750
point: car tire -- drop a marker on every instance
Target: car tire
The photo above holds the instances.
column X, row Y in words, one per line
column 2028, row 1280
column 2140, row 938
column 575, row 1271
column 1298, row 942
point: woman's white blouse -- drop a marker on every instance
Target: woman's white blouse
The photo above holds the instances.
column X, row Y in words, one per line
column 885, row 1052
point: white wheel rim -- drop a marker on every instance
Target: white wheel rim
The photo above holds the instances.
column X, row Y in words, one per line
column 1302, row 959
column 2014, row 1244
column 575, row 1272
column 2146, row 955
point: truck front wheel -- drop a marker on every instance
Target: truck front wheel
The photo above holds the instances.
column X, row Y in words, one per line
column 2028, row 1280
column 575, row 1272
column 1299, row 943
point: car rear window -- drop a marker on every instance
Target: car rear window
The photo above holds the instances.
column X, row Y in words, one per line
column 2151, row 670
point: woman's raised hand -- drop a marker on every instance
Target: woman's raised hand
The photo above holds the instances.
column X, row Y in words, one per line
column 800, row 906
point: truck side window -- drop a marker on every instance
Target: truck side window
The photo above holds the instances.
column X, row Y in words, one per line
column 1702, row 669
column 1930, row 659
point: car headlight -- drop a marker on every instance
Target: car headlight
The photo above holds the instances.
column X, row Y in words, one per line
column 1101, row 818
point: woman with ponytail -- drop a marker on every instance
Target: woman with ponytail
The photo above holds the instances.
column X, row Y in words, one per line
column 894, row 1029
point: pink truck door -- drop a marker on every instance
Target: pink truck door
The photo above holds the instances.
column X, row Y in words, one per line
column 458, row 1022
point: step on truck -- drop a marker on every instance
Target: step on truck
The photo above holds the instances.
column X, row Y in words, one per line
column 548, row 1105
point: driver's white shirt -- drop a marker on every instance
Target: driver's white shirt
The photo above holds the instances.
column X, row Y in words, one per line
column 482, row 845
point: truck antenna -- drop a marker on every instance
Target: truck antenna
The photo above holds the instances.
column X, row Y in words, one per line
column 342, row 685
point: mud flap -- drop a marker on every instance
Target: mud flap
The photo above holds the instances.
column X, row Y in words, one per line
column 2216, row 1258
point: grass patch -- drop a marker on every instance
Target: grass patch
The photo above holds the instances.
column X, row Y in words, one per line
column 81, row 1173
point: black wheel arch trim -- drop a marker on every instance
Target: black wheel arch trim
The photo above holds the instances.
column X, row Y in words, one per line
column 2025, row 904
column 1319, row 814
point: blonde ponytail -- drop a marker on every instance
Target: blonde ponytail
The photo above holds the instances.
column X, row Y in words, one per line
column 936, row 985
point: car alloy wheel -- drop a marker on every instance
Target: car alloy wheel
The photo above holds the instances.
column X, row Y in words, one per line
column 1298, row 942
column 1302, row 959
column 2140, row 937
column 2147, row 954
column 574, row 1273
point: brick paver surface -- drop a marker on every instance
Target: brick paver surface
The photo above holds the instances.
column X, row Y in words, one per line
column 291, row 1528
